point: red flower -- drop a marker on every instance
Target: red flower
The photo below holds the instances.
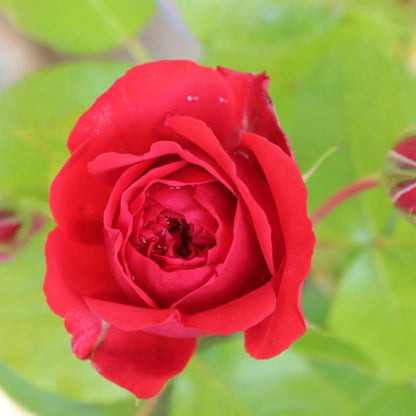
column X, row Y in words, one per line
column 181, row 213
column 399, row 176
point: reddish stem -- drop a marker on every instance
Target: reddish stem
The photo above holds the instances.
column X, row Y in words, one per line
column 351, row 190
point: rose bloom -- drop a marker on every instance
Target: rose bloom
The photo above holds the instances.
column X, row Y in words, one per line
column 180, row 213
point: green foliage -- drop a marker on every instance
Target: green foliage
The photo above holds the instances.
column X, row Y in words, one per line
column 223, row 380
column 47, row 404
column 36, row 116
column 80, row 26
column 374, row 308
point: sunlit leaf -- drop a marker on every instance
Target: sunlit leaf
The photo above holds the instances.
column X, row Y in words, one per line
column 81, row 26
column 46, row 103
column 374, row 308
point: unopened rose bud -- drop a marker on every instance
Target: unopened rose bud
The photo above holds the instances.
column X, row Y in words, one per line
column 9, row 227
column 399, row 176
column 13, row 234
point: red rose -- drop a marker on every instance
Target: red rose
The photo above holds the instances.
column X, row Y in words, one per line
column 181, row 213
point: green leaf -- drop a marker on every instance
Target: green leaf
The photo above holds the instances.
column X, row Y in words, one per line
column 223, row 380
column 34, row 342
column 81, row 26
column 371, row 395
column 398, row 400
column 234, row 32
column 374, row 308
column 46, row 404
column 45, row 104
column 318, row 345
column 228, row 382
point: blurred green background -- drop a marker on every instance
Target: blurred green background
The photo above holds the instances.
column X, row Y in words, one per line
column 343, row 73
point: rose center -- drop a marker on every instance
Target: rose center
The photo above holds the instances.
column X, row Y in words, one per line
column 170, row 235
column 180, row 231
column 172, row 227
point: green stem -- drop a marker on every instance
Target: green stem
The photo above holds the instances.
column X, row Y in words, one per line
column 351, row 190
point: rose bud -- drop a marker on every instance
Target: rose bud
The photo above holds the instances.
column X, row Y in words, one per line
column 11, row 236
column 399, row 176
column 9, row 227
column 181, row 213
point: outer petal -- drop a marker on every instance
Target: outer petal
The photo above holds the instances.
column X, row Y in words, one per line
column 129, row 317
column 277, row 332
column 254, row 107
column 139, row 101
column 237, row 315
column 141, row 362
column 77, row 199
column 164, row 322
column 84, row 327
column 82, row 268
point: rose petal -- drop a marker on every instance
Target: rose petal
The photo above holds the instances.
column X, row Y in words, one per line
column 84, row 327
column 82, row 268
column 122, row 271
column 197, row 132
column 86, row 330
column 128, row 317
column 236, row 315
column 77, row 199
column 277, row 332
column 108, row 167
column 131, row 182
column 221, row 204
column 166, row 286
column 165, row 322
column 242, row 271
column 141, row 362
column 138, row 102
column 254, row 107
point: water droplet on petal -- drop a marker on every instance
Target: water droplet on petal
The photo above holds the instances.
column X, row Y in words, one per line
column 143, row 240
column 244, row 153
column 223, row 100
column 191, row 98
